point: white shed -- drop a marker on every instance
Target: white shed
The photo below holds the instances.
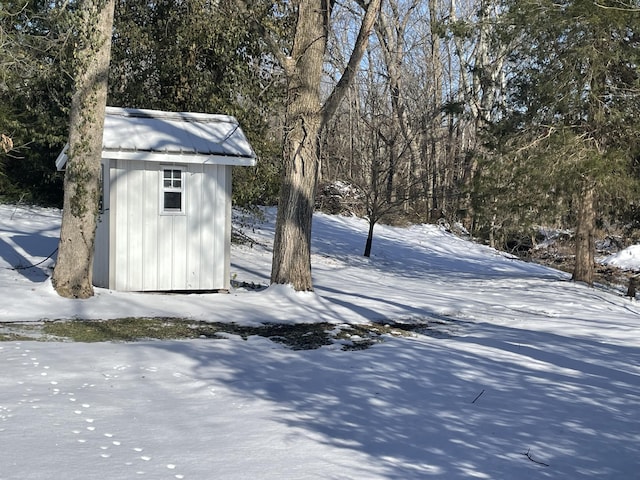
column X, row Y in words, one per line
column 165, row 215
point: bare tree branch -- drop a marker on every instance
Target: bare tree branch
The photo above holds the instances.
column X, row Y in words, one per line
column 528, row 455
column 332, row 103
column 625, row 7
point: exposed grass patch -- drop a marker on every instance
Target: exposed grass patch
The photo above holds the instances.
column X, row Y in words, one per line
column 305, row 336
column 127, row 330
column 295, row 336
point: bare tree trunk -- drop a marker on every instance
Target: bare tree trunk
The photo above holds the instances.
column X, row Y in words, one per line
column 433, row 122
column 305, row 118
column 369, row 243
column 391, row 30
column 292, row 243
column 585, row 244
column 74, row 269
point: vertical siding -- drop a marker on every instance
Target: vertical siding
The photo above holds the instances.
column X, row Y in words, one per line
column 219, row 229
column 196, row 228
column 180, row 252
column 210, row 240
column 209, row 209
column 226, row 232
column 113, row 216
column 136, row 219
column 119, row 252
column 154, row 252
column 101, row 254
column 219, row 223
column 165, row 252
column 150, row 224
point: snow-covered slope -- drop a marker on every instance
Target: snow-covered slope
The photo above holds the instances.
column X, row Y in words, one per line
column 527, row 376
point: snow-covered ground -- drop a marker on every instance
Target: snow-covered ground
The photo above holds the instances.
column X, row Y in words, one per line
column 627, row 259
column 528, row 375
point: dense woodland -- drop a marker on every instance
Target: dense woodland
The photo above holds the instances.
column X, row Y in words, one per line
column 501, row 116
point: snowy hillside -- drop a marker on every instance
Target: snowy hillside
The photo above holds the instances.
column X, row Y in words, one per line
column 521, row 373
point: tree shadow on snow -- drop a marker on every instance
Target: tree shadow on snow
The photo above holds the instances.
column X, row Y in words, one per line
column 498, row 403
column 25, row 252
column 430, row 255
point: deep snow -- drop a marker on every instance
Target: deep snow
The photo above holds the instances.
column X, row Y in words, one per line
column 627, row 259
column 524, row 375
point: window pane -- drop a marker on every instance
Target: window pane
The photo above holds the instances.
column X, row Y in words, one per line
column 173, row 201
column 167, row 174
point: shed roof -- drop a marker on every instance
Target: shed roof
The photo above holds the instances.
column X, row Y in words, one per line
column 153, row 135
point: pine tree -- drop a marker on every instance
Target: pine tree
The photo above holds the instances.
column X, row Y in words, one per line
column 198, row 55
column 573, row 125
column 34, row 97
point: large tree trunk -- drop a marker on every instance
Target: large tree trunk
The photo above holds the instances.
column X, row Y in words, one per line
column 292, row 242
column 585, row 245
column 74, row 269
column 305, row 118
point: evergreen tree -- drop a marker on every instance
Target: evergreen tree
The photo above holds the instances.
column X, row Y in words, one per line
column 35, row 88
column 572, row 130
column 200, row 55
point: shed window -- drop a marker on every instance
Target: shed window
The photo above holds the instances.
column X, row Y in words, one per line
column 172, row 190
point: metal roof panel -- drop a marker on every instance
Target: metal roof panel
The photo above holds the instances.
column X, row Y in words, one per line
column 154, row 135
column 174, row 132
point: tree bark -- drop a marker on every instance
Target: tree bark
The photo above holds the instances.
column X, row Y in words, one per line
column 292, row 242
column 369, row 243
column 73, row 273
column 304, row 121
column 634, row 281
column 585, row 244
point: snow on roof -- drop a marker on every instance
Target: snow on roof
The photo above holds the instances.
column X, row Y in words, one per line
column 153, row 135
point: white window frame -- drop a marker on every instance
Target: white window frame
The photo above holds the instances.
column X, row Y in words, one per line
column 172, row 187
